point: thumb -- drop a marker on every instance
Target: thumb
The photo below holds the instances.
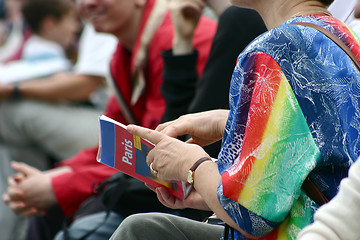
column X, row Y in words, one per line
column 24, row 168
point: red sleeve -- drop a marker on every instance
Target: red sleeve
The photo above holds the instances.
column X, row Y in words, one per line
column 71, row 189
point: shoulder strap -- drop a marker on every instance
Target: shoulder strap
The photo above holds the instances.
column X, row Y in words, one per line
column 125, row 108
column 334, row 38
column 313, row 192
column 153, row 22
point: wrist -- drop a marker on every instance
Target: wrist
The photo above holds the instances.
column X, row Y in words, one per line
column 182, row 46
column 191, row 171
column 15, row 94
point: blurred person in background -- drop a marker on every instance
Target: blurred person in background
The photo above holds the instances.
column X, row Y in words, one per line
column 46, row 120
column 144, row 30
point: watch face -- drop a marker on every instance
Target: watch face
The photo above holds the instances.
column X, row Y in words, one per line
column 190, row 177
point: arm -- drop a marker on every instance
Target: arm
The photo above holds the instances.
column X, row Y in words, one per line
column 57, row 88
column 180, row 73
column 35, row 191
column 31, row 191
column 207, row 176
column 247, row 163
column 237, row 27
column 185, row 15
column 218, row 6
column 178, row 89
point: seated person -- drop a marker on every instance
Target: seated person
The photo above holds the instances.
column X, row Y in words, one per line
column 290, row 120
column 54, row 26
column 52, row 123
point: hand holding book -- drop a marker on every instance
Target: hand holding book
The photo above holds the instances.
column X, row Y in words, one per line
column 171, row 157
column 120, row 149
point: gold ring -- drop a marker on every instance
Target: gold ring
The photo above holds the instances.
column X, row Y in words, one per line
column 153, row 170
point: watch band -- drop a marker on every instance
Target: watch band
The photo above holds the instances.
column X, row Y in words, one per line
column 198, row 162
column 191, row 172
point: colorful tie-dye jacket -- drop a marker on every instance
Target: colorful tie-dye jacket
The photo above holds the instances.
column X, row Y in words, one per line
column 294, row 111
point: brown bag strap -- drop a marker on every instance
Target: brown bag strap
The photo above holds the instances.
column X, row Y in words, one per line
column 334, row 38
column 310, row 188
column 313, row 192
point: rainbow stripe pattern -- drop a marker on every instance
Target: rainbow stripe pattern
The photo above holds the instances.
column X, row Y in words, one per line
column 276, row 131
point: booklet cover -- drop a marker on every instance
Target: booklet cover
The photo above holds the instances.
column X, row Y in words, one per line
column 127, row 153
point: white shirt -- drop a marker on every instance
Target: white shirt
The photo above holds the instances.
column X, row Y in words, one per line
column 94, row 56
column 95, row 52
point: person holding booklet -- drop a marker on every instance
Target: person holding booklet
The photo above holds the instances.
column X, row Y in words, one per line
column 293, row 121
column 144, row 30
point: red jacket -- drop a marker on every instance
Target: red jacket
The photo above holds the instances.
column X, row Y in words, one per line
column 71, row 189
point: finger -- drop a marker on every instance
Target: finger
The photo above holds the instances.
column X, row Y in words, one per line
column 17, row 206
column 171, row 129
column 150, row 157
column 19, row 177
column 162, row 126
column 21, row 209
column 191, row 141
column 11, row 181
column 153, row 136
column 15, row 193
column 24, row 168
column 6, row 198
column 152, row 188
column 27, row 212
column 165, row 197
column 178, row 128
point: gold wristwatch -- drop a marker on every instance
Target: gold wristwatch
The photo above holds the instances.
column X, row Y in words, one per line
column 191, row 172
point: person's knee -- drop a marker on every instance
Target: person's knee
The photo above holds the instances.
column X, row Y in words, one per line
column 135, row 226
column 126, row 227
column 136, row 221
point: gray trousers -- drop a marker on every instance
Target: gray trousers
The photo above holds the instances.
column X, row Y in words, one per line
column 30, row 132
column 161, row 226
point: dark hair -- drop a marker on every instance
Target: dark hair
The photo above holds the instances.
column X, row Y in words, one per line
column 326, row 2
column 35, row 11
